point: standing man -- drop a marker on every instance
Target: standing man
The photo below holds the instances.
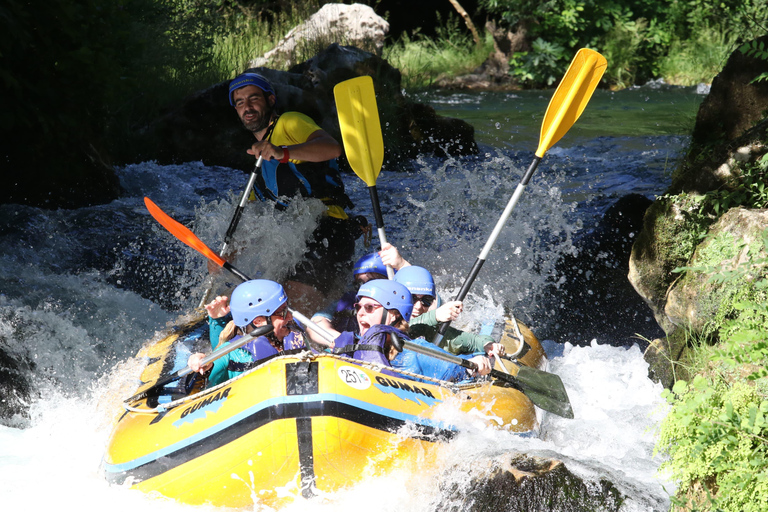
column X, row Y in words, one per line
column 298, row 158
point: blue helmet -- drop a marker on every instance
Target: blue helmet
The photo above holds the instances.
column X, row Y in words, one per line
column 418, row 280
column 257, row 297
column 250, row 79
column 370, row 263
column 390, row 294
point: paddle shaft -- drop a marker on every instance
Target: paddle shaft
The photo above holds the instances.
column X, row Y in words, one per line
column 235, row 220
column 240, row 207
column 379, row 224
column 473, row 273
column 261, row 331
column 466, row 363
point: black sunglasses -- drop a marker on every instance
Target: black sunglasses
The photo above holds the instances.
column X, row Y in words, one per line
column 426, row 300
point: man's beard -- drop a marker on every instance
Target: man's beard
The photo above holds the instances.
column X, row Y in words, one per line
column 260, row 122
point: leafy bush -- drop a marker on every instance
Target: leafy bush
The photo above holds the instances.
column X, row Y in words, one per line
column 716, row 434
column 716, row 437
column 541, row 66
column 684, row 40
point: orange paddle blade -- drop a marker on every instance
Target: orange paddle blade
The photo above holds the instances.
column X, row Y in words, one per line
column 182, row 232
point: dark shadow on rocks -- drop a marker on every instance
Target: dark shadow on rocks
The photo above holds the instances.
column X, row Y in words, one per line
column 521, row 483
column 206, row 128
column 597, row 297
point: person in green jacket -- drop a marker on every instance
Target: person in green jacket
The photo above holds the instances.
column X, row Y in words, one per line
column 425, row 318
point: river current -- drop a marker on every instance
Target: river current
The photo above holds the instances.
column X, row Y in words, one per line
column 81, row 291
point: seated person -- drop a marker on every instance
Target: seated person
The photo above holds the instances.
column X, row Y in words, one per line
column 254, row 303
column 341, row 316
column 383, row 310
column 426, row 316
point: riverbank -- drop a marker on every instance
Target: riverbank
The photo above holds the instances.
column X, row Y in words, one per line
column 701, row 264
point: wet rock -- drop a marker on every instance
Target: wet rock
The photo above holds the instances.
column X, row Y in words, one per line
column 15, row 388
column 729, row 133
column 668, row 359
column 206, row 128
column 521, row 483
column 599, row 297
column 696, row 298
column 351, row 25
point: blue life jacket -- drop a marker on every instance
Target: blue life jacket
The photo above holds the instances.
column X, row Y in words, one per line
column 370, row 347
column 261, row 349
column 321, row 180
column 428, row 366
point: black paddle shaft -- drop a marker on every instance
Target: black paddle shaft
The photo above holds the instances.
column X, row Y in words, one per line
column 443, row 327
column 376, row 207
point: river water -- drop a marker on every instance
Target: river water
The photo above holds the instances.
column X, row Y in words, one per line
column 82, row 290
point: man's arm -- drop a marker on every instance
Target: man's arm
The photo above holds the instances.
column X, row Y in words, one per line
column 319, row 147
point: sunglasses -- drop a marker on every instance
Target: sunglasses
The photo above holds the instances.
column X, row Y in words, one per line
column 369, row 308
column 282, row 314
column 426, row 300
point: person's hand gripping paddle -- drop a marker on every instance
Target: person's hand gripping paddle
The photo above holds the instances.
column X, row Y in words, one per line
column 363, row 142
column 565, row 107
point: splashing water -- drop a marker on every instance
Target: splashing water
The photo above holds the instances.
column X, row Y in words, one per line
column 82, row 290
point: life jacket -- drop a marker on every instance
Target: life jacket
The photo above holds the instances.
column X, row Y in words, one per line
column 321, row 180
column 261, row 350
column 369, row 348
column 344, row 318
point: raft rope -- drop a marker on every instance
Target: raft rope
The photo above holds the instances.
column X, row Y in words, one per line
column 304, row 356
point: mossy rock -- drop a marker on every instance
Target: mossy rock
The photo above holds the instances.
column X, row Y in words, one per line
column 669, row 236
column 669, row 358
column 700, row 300
column 516, row 482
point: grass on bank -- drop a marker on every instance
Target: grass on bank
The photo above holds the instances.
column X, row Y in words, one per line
column 423, row 60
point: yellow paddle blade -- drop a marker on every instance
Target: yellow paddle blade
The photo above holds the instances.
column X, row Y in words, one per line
column 360, row 127
column 571, row 96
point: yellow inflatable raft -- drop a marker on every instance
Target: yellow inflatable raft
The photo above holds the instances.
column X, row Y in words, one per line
column 296, row 425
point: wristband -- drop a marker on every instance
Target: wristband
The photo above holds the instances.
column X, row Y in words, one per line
column 286, row 155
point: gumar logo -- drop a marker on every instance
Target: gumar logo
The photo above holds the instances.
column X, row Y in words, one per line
column 199, row 409
column 406, row 391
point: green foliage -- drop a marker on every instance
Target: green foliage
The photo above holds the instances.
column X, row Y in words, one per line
column 757, row 50
column 686, row 41
column 716, row 434
column 541, row 66
column 716, row 438
column 750, row 190
column 422, row 60
column 697, row 59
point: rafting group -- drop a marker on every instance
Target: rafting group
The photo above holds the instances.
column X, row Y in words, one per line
column 293, row 407
column 296, row 157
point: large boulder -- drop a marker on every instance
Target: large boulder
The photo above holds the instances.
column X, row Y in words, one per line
column 353, row 25
column 597, row 291
column 711, row 288
column 730, row 134
column 206, row 128
column 518, row 483
column 726, row 120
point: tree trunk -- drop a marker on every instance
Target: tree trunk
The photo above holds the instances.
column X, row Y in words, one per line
column 467, row 20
